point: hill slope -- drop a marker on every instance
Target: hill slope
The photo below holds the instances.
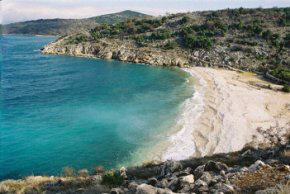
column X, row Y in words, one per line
column 66, row 26
column 247, row 39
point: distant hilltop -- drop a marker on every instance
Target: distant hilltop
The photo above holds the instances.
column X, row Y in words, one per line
column 67, row 26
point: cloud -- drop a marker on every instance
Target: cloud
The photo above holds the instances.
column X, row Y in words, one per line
column 20, row 10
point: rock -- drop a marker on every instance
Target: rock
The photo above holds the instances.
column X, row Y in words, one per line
column 244, row 169
column 206, row 177
column 170, row 167
column 174, row 184
column 198, row 171
column 225, row 188
column 123, row 172
column 215, row 166
column 266, row 191
column 256, row 166
column 116, row 191
column 133, row 186
column 152, row 181
column 189, row 179
column 163, row 183
column 200, row 183
column 146, row 189
column 164, row 191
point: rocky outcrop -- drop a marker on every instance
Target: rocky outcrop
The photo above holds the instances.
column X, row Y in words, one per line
column 247, row 171
column 128, row 51
column 117, row 50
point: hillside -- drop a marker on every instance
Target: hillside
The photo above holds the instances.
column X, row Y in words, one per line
column 247, row 171
column 246, row 39
column 66, row 26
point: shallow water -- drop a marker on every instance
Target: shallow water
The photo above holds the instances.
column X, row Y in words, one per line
column 59, row 111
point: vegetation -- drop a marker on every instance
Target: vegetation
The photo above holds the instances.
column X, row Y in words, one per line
column 286, row 88
column 68, row 26
column 254, row 39
column 68, row 171
column 282, row 73
column 112, row 178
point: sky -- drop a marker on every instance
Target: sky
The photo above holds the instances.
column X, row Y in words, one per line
column 22, row 10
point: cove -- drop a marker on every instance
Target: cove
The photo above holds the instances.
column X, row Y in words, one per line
column 59, row 111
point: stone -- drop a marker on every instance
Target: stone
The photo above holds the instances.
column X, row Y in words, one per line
column 200, row 183
column 198, row 171
column 152, row 181
column 189, row 179
column 164, row 191
column 163, row 183
column 133, row 186
column 206, row 177
column 215, row 166
column 225, row 188
column 116, row 191
column 170, row 167
column 146, row 189
column 266, row 191
column 256, row 166
column 174, row 184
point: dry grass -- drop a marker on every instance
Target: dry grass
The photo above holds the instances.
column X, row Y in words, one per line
column 263, row 178
column 283, row 189
column 39, row 184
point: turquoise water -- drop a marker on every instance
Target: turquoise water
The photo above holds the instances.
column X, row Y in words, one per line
column 59, row 111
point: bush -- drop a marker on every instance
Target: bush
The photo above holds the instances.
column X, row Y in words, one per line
column 68, row 171
column 112, row 178
column 160, row 35
column 287, row 40
column 267, row 35
column 282, row 73
column 170, row 45
column 83, row 173
column 286, row 88
column 184, row 20
column 99, row 170
column 194, row 42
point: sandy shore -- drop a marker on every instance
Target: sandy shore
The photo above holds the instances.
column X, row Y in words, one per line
column 225, row 112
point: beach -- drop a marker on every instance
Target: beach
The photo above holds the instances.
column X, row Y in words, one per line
column 227, row 111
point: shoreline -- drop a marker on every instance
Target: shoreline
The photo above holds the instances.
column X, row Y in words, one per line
column 230, row 111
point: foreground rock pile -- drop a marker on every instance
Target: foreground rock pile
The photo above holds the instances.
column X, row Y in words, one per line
column 247, row 171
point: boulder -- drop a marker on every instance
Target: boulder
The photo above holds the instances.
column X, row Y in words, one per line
column 174, row 184
column 152, row 181
column 146, row 189
column 189, row 179
column 198, row 171
column 256, row 165
column 215, row 166
column 116, row 191
column 133, row 186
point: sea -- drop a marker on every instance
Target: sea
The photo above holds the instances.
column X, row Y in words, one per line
column 63, row 111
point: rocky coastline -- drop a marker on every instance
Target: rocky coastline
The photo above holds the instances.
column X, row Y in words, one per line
column 250, row 170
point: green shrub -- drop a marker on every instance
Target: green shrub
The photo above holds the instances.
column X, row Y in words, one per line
column 162, row 34
column 287, row 40
column 286, row 88
column 170, row 44
column 194, row 42
column 112, row 178
column 184, row 20
column 267, row 35
column 281, row 73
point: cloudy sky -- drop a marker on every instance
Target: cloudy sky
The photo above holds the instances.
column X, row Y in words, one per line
column 21, row 10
